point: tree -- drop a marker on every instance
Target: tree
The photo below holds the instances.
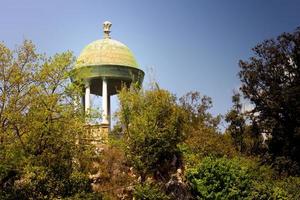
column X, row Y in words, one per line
column 196, row 108
column 202, row 134
column 153, row 127
column 271, row 81
column 39, row 125
column 237, row 124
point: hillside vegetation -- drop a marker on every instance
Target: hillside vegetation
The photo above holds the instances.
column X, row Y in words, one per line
column 162, row 147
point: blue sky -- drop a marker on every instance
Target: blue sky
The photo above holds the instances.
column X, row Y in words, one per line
column 189, row 44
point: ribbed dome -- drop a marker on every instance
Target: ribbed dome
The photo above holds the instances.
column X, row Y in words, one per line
column 106, row 52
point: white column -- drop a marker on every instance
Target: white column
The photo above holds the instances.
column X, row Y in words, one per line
column 108, row 110
column 104, row 102
column 87, row 100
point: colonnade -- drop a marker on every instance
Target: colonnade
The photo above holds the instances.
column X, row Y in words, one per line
column 105, row 100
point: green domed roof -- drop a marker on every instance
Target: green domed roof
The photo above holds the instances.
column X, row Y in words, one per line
column 106, row 59
column 106, row 52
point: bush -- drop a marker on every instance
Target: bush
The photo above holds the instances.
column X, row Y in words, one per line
column 85, row 196
column 292, row 185
column 267, row 190
column 219, row 179
column 152, row 123
column 222, row 178
column 202, row 142
column 148, row 191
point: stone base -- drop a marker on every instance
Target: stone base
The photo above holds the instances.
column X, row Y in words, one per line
column 97, row 134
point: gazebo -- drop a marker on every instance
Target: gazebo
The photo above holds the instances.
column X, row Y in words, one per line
column 104, row 66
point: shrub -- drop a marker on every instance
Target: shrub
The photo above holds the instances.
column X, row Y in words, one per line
column 148, row 191
column 291, row 185
column 219, row 179
column 267, row 190
column 153, row 127
column 223, row 178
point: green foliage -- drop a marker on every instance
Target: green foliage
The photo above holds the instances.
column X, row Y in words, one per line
column 196, row 109
column 148, row 191
column 203, row 142
column 291, row 185
column 265, row 191
column 270, row 80
column 265, row 183
column 153, row 128
column 239, row 178
column 39, row 126
column 41, row 183
column 219, row 179
column 237, row 124
column 246, row 137
column 85, row 196
column 202, row 134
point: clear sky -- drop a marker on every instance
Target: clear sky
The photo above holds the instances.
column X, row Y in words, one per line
column 189, row 44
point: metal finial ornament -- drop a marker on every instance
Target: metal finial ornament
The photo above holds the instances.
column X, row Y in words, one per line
column 106, row 29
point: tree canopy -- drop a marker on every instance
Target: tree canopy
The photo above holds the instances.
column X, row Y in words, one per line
column 153, row 127
column 39, row 126
column 271, row 81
